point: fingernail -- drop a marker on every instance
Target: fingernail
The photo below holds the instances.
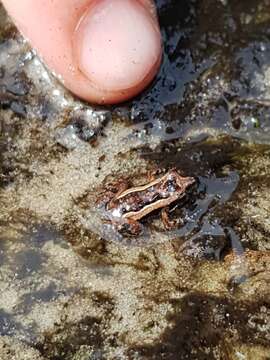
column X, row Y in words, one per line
column 117, row 44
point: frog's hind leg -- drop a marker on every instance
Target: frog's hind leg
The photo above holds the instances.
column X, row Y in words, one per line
column 122, row 185
column 117, row 186
column 115, row 190
column 153, row 174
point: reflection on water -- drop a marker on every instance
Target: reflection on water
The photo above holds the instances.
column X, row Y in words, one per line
column 212, row 79
column 239, row 269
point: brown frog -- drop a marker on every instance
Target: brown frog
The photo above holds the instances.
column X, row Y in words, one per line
column 130, row 204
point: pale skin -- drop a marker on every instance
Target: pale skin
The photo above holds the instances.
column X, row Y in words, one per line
column 105, row 51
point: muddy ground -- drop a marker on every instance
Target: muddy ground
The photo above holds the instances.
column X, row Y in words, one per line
column 71, row 290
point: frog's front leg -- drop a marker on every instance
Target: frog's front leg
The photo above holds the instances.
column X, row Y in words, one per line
column 130, row 227
column 167, row 222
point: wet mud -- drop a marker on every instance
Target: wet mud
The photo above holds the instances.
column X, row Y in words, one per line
column 71, row 287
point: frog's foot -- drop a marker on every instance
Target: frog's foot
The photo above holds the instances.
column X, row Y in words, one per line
column 113, row 190
column 167, row 222
column 130, row 228
column 104, row 197
column 118, row 186
column 122, row 185
column 152, row 174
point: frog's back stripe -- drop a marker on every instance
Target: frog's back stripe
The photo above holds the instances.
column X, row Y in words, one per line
column 137, row 215
column 141, row 188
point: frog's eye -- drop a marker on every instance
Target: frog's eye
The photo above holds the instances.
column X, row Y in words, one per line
column 126, row 208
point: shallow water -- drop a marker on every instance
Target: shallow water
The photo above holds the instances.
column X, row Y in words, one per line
column 73, row 288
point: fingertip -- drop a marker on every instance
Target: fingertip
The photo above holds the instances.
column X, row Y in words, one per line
column 117, row 45
column 106, row 51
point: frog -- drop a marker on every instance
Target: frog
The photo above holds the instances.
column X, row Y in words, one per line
column 126, row 205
